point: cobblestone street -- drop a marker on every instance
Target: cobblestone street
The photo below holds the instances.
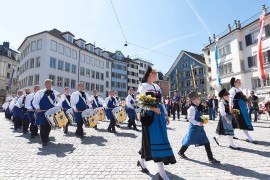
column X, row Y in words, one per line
column 103, row 155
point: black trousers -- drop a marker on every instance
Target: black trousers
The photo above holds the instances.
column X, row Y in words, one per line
column 176, row 108
column 79, row 130
column 131, row 122
column 33, row 129
column 44, row 133
column 112, row 125
column 17, row 122
column 207, row 149
column 25, row 124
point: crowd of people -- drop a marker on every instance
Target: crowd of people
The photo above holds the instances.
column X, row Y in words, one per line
column 233, row 106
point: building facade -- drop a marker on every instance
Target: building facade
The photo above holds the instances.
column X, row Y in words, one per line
column 9, row 71
column 237, row 55
column 133, row 74
column 59, row 56
column 164, row 84
column 181, row 77
column 143, row 64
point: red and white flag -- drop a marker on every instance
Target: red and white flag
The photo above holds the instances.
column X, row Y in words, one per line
column 260, row 54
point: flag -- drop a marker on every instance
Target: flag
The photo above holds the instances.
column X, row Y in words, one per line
column 216, row 60
column 193, row 78
column 176, row 74
column 13, row 74
column 260, row 54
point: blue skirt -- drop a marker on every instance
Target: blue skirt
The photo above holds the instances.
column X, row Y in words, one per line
column 242, row 121
column 195, row 136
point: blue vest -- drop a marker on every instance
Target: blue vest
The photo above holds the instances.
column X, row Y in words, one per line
column 130, row 111
column 94, row 104
column 80, row 106
column 44, row 104
column 65, row 105
column 31, row 114
column 110, row 105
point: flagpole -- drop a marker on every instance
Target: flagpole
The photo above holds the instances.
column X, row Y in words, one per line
column 260, row 54
column 193, row 78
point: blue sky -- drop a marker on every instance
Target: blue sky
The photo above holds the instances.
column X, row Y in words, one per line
column 166, row 26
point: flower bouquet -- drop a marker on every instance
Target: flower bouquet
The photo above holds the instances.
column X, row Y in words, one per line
column 236, row 111
column 246, row 100
column 147, row 101
column 204, row 120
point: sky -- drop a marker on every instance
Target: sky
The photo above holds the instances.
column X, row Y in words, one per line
column 156, row 30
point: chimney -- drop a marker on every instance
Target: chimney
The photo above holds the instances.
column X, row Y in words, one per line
column 6, row 44
column 229, row 28
column 209, row 40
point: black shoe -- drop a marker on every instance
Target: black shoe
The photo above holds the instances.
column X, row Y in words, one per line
column 44, row 144
column 117, row 125
column 235, row 137
column 255, row 121
column 135, row 129
column 95, row 127
column 178, row 119
column 216, row 140
column 183, row 156
column 214, row 161
column 173, row 119
column 25, row 132
column 144, row 170
column 109, row 130
column 129, row 127
column 114, row 132
column 32, row 136
column 235, row 148
column 253, row 142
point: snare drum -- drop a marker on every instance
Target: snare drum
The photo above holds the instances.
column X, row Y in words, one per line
column 56, row 117
column 89, row 118
column 100, row 113
column 70, row 115
column 119, row 114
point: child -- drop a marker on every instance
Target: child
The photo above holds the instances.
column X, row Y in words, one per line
column 196, row 134
column 225, row 122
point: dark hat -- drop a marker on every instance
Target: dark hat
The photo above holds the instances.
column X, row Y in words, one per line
column 193, row 95
column 232, row 81
column 222, row 93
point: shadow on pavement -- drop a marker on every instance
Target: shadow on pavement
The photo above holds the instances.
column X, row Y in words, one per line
column 261, row 153
column 170, row 175
column 60, row 150
column 235, row 170
column 262, row 126
column 122, row 134
column 98, row 140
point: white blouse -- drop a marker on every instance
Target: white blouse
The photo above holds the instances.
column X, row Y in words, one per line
column 191, row 113
column 233, row 92
column 146, row 87
column 221, row 107
column 128, row 99
column 28, row 100
column 38, row 96
column 74, row 99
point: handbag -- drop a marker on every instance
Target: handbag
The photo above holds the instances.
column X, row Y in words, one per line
column 147, row 117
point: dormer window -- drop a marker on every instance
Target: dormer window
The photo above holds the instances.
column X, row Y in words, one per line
column 70, row 39
column 9, row 53
column 91, row 49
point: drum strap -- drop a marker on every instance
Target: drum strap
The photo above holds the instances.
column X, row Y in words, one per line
column 50, row 99
column 94, row 99
column 65, row 98
column 80, row 94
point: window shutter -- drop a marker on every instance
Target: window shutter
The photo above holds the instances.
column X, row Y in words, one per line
column 268, row 53
column 248, row 39
column 250, row 64
column 267, row 30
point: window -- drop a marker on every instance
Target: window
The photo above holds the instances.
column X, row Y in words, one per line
column 266, row 56
column 52, row 77
column 82, row 58
column 224, row 51
column 82, row 71
column 256, row 83
column 9, row 65
column 33, row 46
column 87, row 59
column 68, row 51
column 101, row 76
column 70, row 39
column 87, row 86
column 73, row 68
column 194, row 72
column 30, row 81
column 92, row 86
column 101, row 89
column 187, row 74
column 72, row 83
column 267, row 30
column 36, row 79
column 201, row 71
column 53, row 45
column 37, row 62
column 61, row 48
column 60, row 64
column 225, row 68
column 252, row 61
column 102, row 64
column 201, row 81
column 240, row 46
column 107, row 74
column 74, row 54
column 107, row 65
column 107, row 84
column 66, row 82
column 52, row 62
column 92, row 74
column 32, row 63
column 39, row 44
column 59, row 81
column 8, row 75
column 67, row 66
column 97, row 75
column 252, row 38
column 87, row 72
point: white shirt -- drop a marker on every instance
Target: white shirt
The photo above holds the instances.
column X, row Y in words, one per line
column 99, row 101
column 28, row 100
column 232, row 92
column 267, row 98
column 191, row 112
column 5, row 105
column 146, row 87
column 106, row 101
column 221, row 106
column 38, row 96
column 62, row 99
column 74, row 99
column 13, row 103
column 213, row 102
column 128, row 99
column 20, row 100
column 118, row 102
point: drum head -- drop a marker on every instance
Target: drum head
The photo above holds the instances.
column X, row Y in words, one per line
column 87, row 113
column 69, row 111
column 52, row 111
column 117, row 109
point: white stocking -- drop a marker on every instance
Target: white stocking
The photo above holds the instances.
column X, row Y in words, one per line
column 231, row 142
column 162, row 171
column 142, row 163
column 247, row 135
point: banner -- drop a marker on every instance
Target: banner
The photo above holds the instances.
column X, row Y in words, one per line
column 260, row 54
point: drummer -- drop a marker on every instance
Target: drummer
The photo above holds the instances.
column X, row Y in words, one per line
column 44, row 100
column 31, row 110
column 14, row 107
column 24, row 116
column 64, row 102
column 118, row 103
column 79, row 100
column 96, row 102
column 130, row 109
column 109, row 104
column 5, row 107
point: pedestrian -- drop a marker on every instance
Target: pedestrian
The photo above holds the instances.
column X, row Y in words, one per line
column 211, row 107
column 225, row 121
column 253, row 106
column 109, row 104
column 196, row 134
column 168, row 105
column 237, row 101
column 155, row 144
column 176, row 105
